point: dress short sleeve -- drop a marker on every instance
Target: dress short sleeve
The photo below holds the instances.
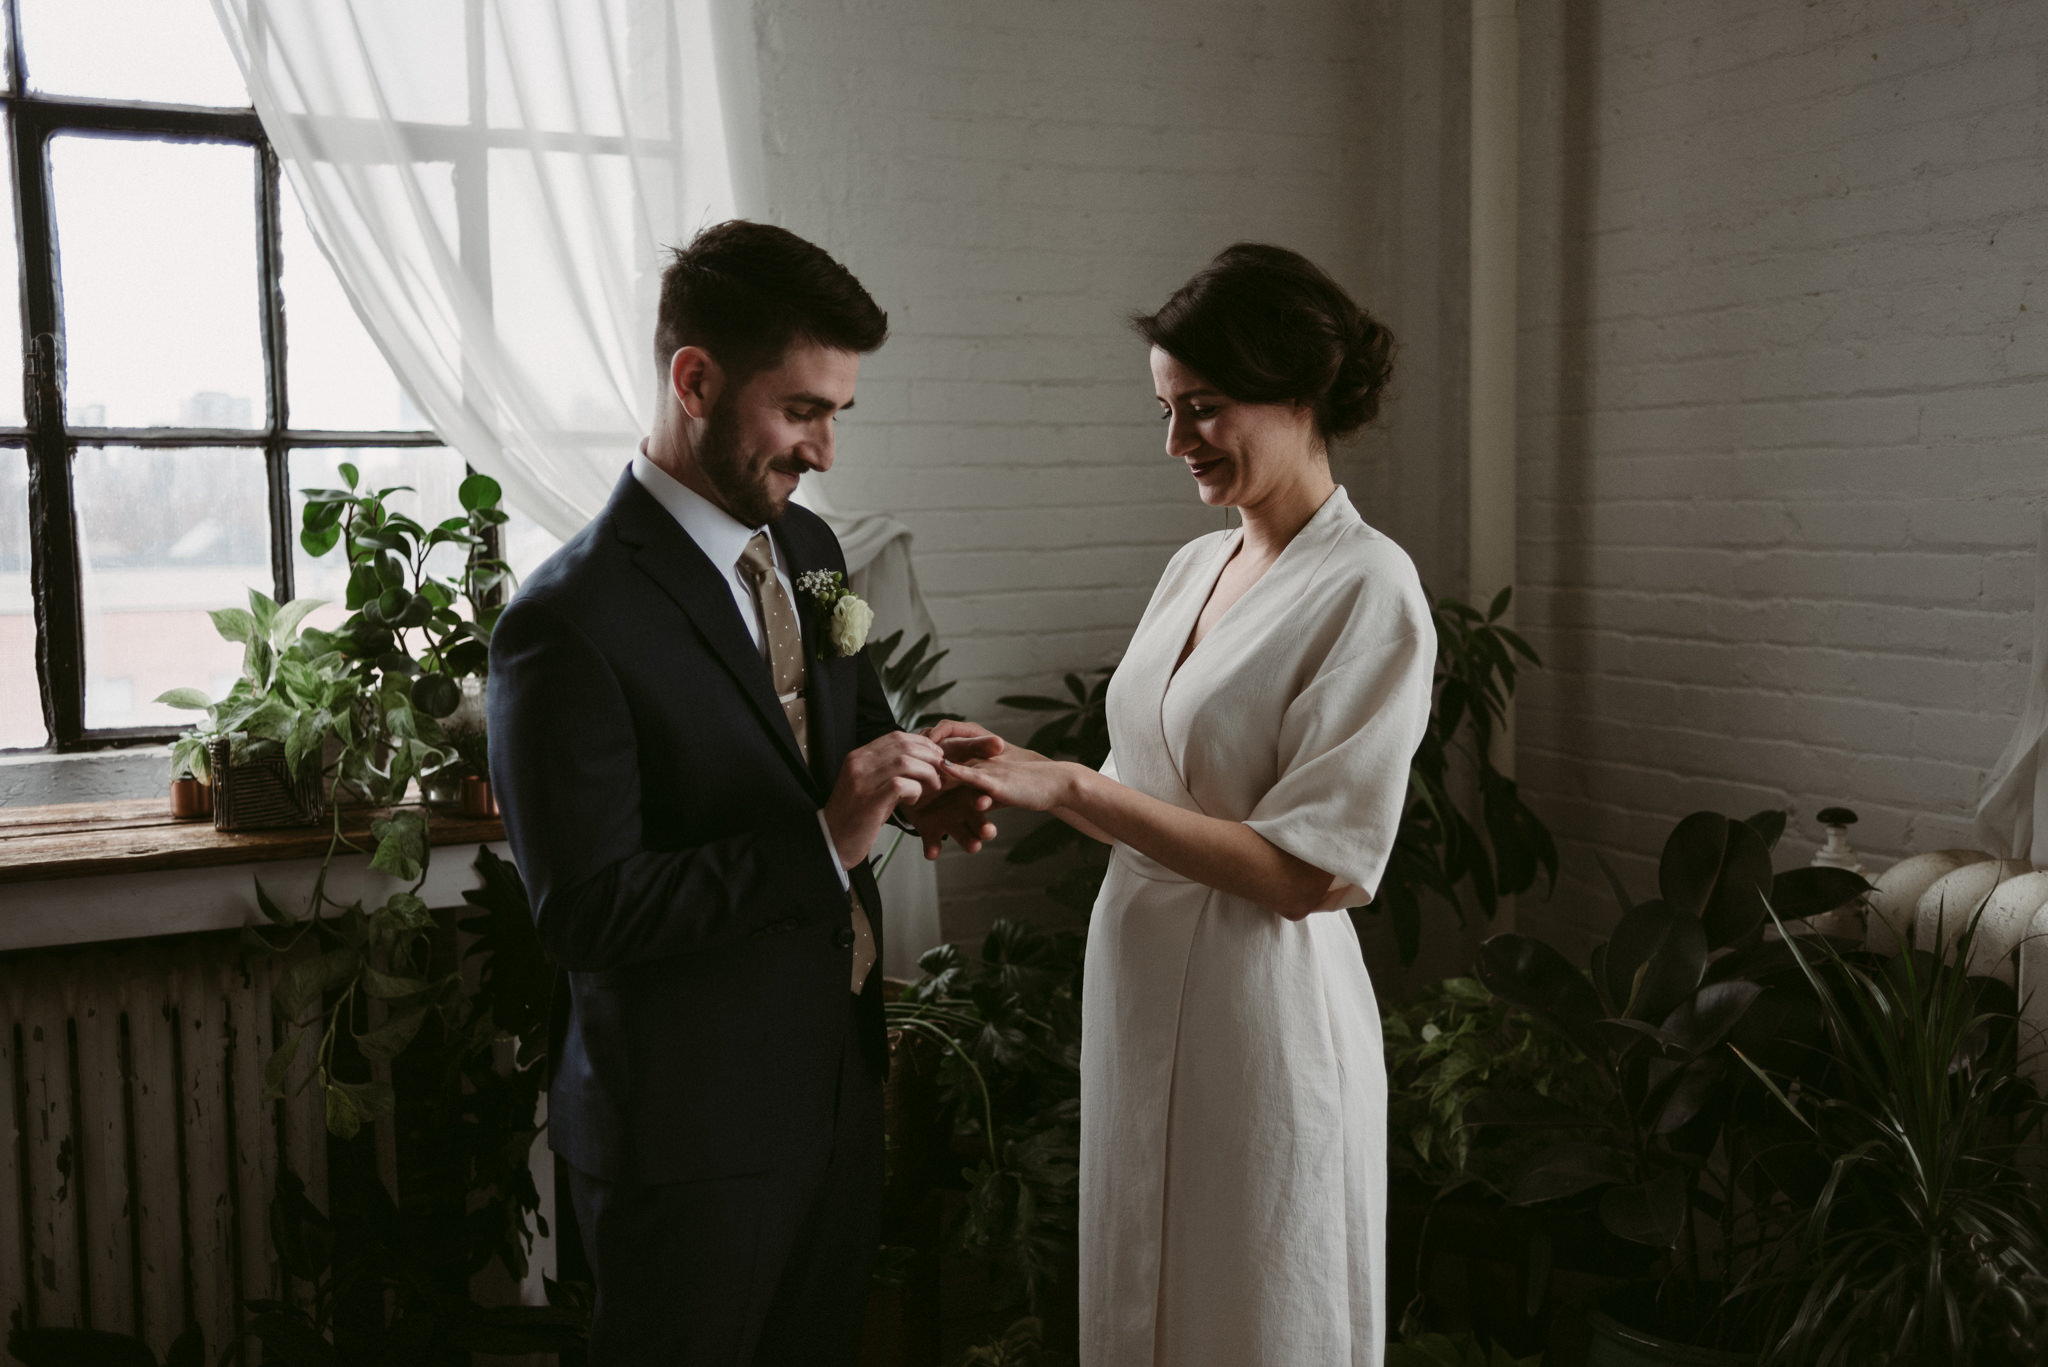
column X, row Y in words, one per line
column 1346, row 742
column 1109, row 766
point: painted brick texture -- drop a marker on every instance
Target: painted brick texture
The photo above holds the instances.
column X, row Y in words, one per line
column 1784, row 415
column 1011, row 180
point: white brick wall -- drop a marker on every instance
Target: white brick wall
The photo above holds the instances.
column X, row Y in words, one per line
column 1785, row 414
column 1011, row 180
column 1784, row 388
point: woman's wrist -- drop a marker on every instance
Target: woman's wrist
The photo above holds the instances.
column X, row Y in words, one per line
column 1075, row 781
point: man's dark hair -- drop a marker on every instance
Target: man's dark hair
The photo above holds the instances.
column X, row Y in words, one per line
column 745, row 291
column 1267, row 325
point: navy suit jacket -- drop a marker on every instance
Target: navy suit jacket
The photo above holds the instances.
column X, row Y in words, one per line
column 667, row 828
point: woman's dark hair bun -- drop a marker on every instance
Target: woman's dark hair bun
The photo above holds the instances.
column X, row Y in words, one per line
column 1267, row 325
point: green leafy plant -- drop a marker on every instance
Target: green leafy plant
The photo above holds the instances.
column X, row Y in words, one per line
column 1438, row 848
column 1457, row 1041
column 1687, row 979
column 464, row 1137
column 1007, row 1026
column 404, row 622
column 1918, row 1234
column 1453, row 1350
column 912, row 698
column 1078, row 730
column 295, row 692
column 1021, row 1345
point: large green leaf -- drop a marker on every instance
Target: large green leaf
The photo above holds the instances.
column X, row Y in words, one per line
column 401, row 845
column 188, row 699
column 390, row 1039
column 1654, row 960
column 234, row 624
column 1812, row 891
column 1718, row 870
column 1540, row 980
column 1704, row 1019
column 1566, row 1169
column 1651, row 1212
column 479, row 491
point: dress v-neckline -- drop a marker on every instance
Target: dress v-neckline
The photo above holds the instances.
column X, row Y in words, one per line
column 1188, row 645
column 1187, row 651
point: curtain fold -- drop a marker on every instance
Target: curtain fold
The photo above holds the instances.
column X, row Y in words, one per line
column 2013, row 816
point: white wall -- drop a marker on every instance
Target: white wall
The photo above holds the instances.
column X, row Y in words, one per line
column 1785, row 413
column 1010, row 180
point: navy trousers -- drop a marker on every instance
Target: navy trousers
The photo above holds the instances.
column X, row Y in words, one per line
column 760, row 1269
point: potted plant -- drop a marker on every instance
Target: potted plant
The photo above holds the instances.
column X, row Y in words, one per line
column 1448, row 1211
column 1689, row 985
column 263, row 747
column 1006, row 1026
column 1918, row 1231
column 407, row 635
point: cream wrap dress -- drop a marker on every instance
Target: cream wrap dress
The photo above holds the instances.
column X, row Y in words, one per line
column 1233, row 1093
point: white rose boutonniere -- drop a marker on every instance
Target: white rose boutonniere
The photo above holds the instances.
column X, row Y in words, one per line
column 846, row 614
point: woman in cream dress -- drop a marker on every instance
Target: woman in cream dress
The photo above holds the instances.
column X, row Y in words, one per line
column 1233, row 1095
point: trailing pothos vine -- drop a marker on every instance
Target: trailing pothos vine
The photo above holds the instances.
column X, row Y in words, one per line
column 379, row 705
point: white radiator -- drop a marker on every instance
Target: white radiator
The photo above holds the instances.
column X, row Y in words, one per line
column 137, row 1155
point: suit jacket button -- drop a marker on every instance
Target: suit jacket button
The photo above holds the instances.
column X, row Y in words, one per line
column 845, row 937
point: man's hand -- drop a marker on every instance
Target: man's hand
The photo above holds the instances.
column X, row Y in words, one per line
column 964, row 741
column 895, row 770
column 954, row 813
column 958, row 812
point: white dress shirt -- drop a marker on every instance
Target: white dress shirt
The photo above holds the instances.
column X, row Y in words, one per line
column 724, row 539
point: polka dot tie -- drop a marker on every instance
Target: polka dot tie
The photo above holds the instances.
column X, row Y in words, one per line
column 786, row 667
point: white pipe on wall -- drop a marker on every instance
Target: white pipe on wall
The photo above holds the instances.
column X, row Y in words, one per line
column 1495, row 146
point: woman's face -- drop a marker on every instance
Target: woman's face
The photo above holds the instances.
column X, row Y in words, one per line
column 1239, row 453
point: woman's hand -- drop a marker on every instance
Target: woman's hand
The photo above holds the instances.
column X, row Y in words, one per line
column 1017, row 778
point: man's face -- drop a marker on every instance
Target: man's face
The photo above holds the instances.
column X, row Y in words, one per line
column 760, row 437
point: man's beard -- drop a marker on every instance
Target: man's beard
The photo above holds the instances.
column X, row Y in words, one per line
column 740, row 485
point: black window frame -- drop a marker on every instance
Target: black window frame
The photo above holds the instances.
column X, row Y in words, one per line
column 51, row 443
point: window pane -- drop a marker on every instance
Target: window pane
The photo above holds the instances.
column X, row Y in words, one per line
column 162, row 320
column 10, row 295
column 336, row 378
column 21, row 703
column 164, row 536
column 434, row 474
column 167, row 51
column 527, row 543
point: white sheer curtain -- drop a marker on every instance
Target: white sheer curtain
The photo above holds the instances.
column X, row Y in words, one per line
column 2013, row 817
column 494, row 182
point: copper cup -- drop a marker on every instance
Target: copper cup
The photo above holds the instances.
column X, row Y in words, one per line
column 191, row 800
column 477, row 800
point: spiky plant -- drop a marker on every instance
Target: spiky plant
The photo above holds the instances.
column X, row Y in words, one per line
column 1926, row 1242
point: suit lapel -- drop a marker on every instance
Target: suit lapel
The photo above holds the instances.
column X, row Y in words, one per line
column 667, row 555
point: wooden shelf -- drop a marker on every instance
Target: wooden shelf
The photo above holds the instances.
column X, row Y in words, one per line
column 92, row 838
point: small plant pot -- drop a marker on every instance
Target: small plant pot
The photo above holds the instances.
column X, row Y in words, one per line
column 262, row 795
column 477, row 800
column 191, row 799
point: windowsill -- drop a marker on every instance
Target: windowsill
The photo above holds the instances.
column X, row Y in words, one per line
column 137, row 835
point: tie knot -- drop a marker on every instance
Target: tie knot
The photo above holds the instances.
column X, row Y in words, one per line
column 757, row 562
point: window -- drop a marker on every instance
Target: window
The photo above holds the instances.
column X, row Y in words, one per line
column 189, row 362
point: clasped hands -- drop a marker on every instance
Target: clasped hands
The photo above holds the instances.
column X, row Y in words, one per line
column 944, row 780
column 903, row 771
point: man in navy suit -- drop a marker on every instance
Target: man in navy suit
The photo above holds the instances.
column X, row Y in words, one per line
column 692, row 773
